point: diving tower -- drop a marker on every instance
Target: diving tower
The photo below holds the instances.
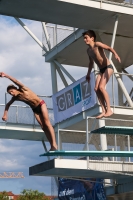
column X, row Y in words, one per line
column 82, row 131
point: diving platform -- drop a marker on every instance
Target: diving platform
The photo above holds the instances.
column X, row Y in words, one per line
column 90, row 153
column 70, row 12
column 21, row 132
column 75, row 168
column 114, row 130
column 78, row 121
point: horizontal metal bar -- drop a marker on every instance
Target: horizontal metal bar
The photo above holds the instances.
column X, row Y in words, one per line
column 110, row 119
column 22, row 106
column 118, row 73
column 66, row 130
column 16, row 106
column 60, row 28
column 85, row 180
column 44, row 96
column 38, row 95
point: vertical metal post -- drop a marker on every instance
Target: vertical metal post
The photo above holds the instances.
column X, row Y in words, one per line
column 5, row 98
column 113, row 37
column 34, row 121
column 113, row 158
column 103, row 138
column 87, row 135
column 46, row 34
column 58, row 138
column 120, row 93
column 110, row 54
column 5, row 104
column 103, row 142
column 16, row 114
column 115, row 145
column 113, row 93
column 128, row 142
column 55, row 35
column 53, row 77
column 122, row 147
column 87, row 140
column 74, row 29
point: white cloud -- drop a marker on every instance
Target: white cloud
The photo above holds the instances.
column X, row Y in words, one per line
column 22, row 58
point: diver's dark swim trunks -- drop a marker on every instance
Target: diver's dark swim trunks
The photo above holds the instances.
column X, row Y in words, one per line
column 102, row 70
column 38, row 108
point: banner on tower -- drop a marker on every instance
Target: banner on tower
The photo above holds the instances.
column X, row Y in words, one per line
column 74, row 99
column 87, row 189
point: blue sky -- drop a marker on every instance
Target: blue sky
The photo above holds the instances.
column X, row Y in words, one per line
column 22, row 58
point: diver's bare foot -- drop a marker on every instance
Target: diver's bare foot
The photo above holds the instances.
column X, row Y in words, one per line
column 53, row 149
column 101, row 115
column 108, row 113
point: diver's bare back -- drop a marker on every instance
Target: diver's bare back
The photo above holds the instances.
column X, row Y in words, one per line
column 27, row 96
column 98, row 55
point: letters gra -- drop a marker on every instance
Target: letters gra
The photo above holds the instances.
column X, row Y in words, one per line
column 73, row 96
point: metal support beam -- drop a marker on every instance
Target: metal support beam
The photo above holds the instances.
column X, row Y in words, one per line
column 122, row 147
column 114, row 34
column 120, row 82
column 103, row 138
column 128, row 143
column 31, row 34
column 120, row 94
column 54, row 78
column 62, row 77
column 64, row 70
column 46, row 34
column 127, row 73
column 55, row 35
column 122, row 86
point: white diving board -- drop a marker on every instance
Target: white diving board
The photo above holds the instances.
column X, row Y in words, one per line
column 114, row 130
column 90, row 153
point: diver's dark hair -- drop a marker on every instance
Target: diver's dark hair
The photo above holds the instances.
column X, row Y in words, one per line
column 9, row 87
column 90, row 33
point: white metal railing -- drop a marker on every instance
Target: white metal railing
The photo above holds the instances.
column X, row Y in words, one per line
column 88, row 141
column 130, row 2
column 57, row 34
column 115, row 92
column 118, row 122
column 23, row 114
